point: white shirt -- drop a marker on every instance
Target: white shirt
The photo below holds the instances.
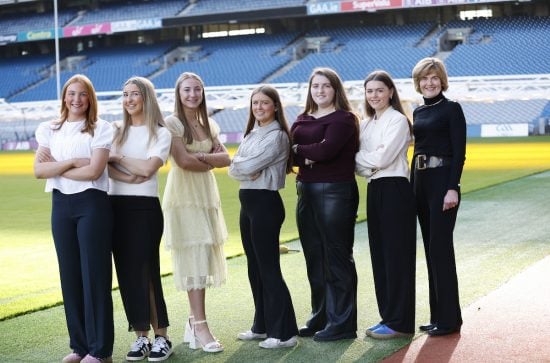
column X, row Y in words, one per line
column 383, row 146
column 264, row 150
column 68, row 143
column 137, row 146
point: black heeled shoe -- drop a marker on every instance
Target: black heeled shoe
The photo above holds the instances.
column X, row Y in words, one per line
column 437, row 331
column 306, row 331
column 427, row 327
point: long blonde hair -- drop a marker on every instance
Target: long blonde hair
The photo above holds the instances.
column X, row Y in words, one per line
column 179, row 112
column 151, row 111
column 91, row 112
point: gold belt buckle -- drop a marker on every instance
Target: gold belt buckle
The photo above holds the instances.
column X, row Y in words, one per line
column 421, row 162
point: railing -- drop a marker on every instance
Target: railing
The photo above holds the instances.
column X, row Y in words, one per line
column 474, row 88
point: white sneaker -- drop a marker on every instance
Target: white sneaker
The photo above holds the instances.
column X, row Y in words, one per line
column 250, row 335
column 271, row 343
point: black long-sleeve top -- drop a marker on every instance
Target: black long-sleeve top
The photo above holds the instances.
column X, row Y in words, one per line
column 439, row 128
column 331, row 141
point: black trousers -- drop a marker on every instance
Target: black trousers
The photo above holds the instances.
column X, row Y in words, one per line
column 136, row 239
column 392, row 241
column 82, row 225
column 430, row 187
column 262, row 215
column 325, row 215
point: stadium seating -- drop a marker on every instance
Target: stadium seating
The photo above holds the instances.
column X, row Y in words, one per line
column 224, row 57
column 364, row 49
column 43, row 21
column 108, row 69
column 496, row 46
column 510, row 111
column 24, row 73
column 227, row 6
column 517, row 45
column 132, row 10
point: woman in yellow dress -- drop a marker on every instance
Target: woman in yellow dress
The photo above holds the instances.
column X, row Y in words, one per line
column 195, row 229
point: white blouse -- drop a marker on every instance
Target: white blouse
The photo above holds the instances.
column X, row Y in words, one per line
column 383, row 146
column 69, row 142
column 137, row 146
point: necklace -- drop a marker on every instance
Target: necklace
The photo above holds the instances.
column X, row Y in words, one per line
column 433, row 104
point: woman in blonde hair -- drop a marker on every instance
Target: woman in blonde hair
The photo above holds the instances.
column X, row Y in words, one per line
column 140, row 147
column 439, row 129
column 325, row 139
column 194, row 222
column 72, row 155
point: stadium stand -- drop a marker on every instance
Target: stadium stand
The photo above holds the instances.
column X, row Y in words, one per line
column 131, row 11
column 108, row 67
column 217, row 6
column 514, row 45
column 222, row 62
column 512, row 111
column 504, row 46
column 361, row 49
column 25, row 22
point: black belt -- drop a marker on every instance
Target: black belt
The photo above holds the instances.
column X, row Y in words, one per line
column 423, row 161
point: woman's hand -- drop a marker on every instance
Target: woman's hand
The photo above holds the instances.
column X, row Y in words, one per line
column 114, row 157
column 450, row 200
column 80, row 162
column 43, row 155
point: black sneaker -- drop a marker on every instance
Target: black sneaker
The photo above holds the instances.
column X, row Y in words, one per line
column 140, row 349
column 162, row 349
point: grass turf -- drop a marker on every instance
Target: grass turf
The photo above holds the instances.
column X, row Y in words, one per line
column 26, row 247
column 500, row 231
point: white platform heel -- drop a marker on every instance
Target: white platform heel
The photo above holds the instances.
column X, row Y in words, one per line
column 188, row 335
column 195, row 343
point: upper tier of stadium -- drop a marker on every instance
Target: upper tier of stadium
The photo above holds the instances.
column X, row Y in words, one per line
column 493, row 49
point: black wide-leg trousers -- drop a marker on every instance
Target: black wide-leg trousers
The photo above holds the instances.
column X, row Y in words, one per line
column 430, row 187
column 82, row 225
column 392, row 240
column 325, row 215
column 261, row 217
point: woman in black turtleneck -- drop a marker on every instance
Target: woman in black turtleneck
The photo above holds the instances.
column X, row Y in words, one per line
column 439, row 129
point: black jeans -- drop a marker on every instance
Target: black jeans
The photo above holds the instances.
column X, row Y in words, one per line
column 262, row 214
column 82, row 226
column 325, row 215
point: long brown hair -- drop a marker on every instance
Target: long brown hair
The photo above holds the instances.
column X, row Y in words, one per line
column 395, row 101
column 202, row 113
column 151, row 111
column 340, row 101
column 91, row 112
column 272, row 93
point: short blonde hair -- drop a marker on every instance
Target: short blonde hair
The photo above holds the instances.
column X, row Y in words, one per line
column 428, row 65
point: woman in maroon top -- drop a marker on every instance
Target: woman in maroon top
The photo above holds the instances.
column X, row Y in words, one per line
column 325, row 139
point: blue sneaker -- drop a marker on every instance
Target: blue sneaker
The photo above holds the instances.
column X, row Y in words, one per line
column 385, row 332
column 373, row 328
